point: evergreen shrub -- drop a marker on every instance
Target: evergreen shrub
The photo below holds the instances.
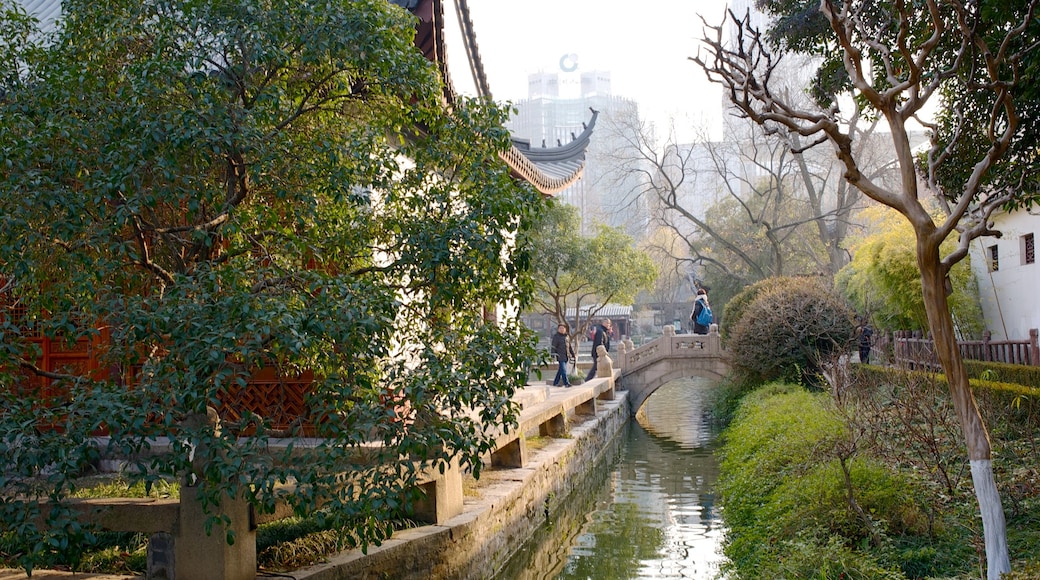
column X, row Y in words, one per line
column 787, row 505
column 788, row 329
column 1003, row 372
column 737, row 306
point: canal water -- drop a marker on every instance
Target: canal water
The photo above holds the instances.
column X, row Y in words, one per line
column 647, row 511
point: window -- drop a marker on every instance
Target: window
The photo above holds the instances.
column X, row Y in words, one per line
column 994, row 259
column 1028, row 250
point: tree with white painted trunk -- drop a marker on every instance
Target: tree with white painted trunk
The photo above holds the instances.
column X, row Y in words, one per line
column 895, row 57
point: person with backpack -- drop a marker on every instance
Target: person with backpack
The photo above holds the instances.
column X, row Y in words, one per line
column 865, row 333
column 702, row 316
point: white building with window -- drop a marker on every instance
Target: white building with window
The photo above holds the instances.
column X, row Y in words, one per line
column 1009, row 276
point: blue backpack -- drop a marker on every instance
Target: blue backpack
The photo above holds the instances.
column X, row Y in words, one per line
column 704, row 318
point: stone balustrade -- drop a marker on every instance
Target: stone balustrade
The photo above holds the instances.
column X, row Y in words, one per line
column 180, row 548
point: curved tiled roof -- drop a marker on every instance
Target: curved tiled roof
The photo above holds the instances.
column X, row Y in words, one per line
column 553, row 169
column 548, row 170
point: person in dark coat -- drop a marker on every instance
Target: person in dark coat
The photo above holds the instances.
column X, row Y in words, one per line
column 562, row 350
column 866, row 333
column 699, row 304
column 602, row 336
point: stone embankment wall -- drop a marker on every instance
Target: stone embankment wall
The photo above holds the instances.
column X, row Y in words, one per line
column 501, row 510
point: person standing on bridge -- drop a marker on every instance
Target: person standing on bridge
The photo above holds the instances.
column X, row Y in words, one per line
column 699, row 306
column 562, row 350
column 602, row 336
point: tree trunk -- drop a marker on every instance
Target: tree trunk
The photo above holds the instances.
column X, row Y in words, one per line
column 994, row 527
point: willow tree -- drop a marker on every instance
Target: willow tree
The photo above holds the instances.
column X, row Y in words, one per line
column 203, row 189
column 895, row 57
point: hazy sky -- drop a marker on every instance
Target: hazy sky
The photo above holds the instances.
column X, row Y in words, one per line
column 645, row 46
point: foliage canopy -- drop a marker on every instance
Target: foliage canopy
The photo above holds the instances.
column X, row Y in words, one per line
column 572, row 271
column 884, row 283
column 205, row 188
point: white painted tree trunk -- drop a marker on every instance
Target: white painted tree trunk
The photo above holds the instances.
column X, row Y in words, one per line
column 976, row 436
column 994, row 527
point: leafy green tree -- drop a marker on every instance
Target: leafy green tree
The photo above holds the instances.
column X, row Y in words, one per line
column 205, row 188
column 895, row 58
column 572, row 271
column 883, row 281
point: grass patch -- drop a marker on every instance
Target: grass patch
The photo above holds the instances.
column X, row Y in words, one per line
column 292, row 543
column 100, row 487
column 873, row 486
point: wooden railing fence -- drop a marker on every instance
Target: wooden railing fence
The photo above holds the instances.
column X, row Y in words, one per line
column 914, row 349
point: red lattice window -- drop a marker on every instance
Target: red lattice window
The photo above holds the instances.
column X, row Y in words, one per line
column 994, row 259
column 1028, row 249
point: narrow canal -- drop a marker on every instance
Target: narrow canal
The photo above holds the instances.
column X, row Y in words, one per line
column 648, row 511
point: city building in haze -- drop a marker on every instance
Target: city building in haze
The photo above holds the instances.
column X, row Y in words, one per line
column 556, row 112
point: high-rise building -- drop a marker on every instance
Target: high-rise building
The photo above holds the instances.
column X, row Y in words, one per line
column 556, row 111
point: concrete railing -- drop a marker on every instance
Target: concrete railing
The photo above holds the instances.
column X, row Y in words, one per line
column 670, row 345
column 179, row 547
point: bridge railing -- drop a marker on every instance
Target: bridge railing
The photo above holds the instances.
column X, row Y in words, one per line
column 670, row 345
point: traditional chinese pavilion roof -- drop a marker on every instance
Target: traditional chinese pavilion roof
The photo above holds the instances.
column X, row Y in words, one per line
column 549, row 170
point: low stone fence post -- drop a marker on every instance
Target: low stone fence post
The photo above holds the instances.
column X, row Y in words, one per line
column 198, row 555
column 206, row 554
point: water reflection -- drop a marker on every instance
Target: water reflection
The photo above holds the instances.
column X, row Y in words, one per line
column 649, row 513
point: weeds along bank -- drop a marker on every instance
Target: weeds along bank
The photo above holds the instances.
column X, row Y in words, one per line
column 873, row 482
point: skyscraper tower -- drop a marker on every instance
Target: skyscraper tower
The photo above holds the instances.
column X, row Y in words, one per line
column 558, row 106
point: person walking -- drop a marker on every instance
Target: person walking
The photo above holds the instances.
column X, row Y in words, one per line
column 562, row 350
column 699, row 306
column 866, row 333
column 602, row 336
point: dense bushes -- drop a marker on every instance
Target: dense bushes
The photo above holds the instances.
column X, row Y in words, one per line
column 787, row 328
column 802, row 502
column 1008, row 404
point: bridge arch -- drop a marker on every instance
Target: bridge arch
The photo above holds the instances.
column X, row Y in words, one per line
column 670, row 357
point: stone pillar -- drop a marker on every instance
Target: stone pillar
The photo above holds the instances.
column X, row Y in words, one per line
column 198, row 555
column 556, row 426
column 603, row 359
column 159, row 557
column 201, row 556
column 511, row 454
column 442, row 495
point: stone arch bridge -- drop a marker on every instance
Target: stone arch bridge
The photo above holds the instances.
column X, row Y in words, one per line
column 670, row 357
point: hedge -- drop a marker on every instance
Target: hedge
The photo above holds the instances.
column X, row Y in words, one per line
column 1004, row 372
column 1017, row 403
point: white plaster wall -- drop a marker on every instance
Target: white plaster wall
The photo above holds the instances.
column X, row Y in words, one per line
column 1011, row 295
